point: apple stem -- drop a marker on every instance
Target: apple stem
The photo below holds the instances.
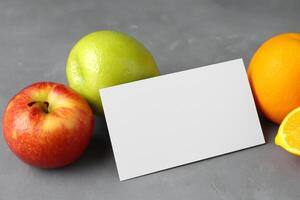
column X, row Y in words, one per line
column 44, row 106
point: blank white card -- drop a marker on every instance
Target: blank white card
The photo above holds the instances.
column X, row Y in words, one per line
column 179, row 118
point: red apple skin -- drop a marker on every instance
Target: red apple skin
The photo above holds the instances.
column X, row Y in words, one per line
column 48, row 125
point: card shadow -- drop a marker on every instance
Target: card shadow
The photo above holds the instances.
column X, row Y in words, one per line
column 269, row 129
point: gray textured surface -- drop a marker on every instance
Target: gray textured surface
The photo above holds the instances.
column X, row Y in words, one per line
column 35, row 38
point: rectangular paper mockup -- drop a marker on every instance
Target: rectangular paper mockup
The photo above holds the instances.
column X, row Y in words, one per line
column 179, row 118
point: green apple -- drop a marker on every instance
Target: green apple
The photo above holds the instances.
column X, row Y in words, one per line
column 107, row 58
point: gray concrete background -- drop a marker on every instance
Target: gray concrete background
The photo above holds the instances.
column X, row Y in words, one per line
column 35, row 39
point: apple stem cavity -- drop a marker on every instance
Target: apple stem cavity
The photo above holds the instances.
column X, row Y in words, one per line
column 44, row 106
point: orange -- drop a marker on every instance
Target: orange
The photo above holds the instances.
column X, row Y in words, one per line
column 274, row 75
column 288, row 136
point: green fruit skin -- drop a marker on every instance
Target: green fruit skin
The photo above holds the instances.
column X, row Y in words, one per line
column 107, row 58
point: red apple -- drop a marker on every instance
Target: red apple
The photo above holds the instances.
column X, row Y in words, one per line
column 48, row 125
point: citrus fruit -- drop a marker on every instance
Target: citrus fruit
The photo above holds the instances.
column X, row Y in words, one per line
column 288, row 136
column 107, row 58
column 274, row 75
